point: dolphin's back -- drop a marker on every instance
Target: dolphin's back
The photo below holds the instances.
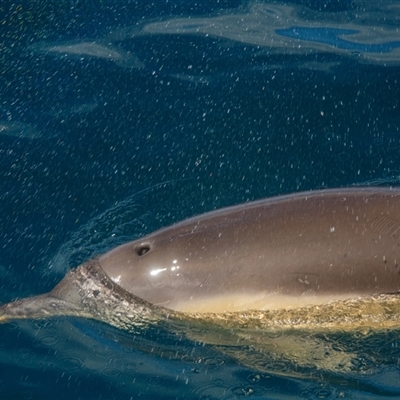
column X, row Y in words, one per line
column 285, row 251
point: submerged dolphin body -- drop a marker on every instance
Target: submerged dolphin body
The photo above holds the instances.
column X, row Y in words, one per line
column 268, row 257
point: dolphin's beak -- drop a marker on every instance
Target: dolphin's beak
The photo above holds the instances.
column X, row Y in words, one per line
column 42, row 306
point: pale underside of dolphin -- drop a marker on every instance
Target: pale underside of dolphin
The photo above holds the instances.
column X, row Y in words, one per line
column 261, row 260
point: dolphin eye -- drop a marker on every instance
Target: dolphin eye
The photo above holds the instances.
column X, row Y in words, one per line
column 143, row 249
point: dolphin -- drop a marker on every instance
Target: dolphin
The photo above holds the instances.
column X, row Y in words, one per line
column 293, row 252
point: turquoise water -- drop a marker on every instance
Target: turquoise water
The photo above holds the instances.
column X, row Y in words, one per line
column 121, row 117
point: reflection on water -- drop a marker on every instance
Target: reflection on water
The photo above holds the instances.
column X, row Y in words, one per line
column 90, row 49
column 197, row 361
column 283, row 30
column 334, row 37
column 90, row 360
column 273, row 29
column 19, row 129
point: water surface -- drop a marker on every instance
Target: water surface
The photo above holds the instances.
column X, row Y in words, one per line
column 119, row 118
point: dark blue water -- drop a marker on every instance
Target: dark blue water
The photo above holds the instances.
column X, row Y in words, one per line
column 121, row 117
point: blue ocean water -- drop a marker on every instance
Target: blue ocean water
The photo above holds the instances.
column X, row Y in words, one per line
column 120, row 117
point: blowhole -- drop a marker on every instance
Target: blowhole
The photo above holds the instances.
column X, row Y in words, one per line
column 143, row 249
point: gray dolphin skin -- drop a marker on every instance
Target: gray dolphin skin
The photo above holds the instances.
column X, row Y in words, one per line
column 281, row 253
column 285, row 251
